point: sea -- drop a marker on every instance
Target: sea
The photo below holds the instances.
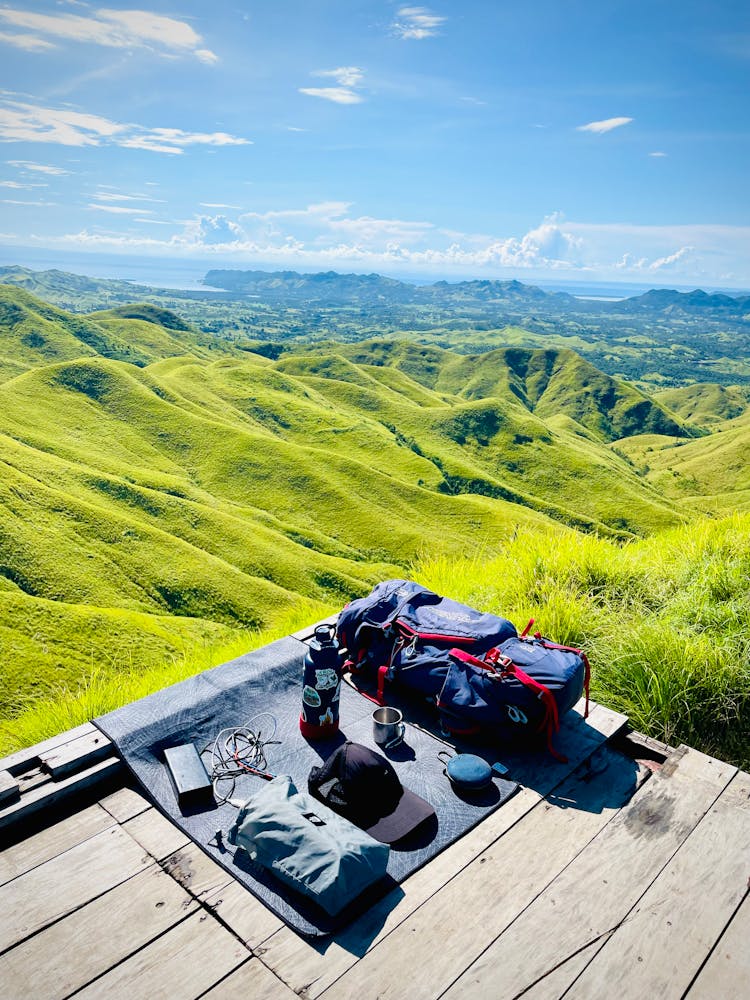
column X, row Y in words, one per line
column 187, row 273
column 158, row 272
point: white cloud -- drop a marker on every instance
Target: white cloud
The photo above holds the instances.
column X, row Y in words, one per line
column 41, row 168
column 216, row 230
column 20, row 186
column 218, row 204
column 672, row 259
column 331, row 235
column 36, row 204
column 30, row 123
column 121, row 209
column 319, row 223
column 30, row 43
column 115, row 196
column 20, row 122
column 347, row 77
column 416, row 23
column 604, row 126
column 339, row 95
column 122, row 29
column 657, row 154
column 174, row 140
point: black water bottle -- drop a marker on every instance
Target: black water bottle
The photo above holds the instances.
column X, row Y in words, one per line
column 321, row 686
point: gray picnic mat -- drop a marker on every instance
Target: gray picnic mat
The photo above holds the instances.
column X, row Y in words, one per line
column 270, row 680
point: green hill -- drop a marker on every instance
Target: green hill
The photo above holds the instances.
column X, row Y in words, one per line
column 158, row 494
column 705, row 403
column 709, row 474
column 34, row 333
column 664, row 620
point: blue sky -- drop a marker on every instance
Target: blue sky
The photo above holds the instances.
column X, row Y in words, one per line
column 571, row 140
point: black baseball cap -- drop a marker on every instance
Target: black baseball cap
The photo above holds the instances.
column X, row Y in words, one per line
column 362, row 785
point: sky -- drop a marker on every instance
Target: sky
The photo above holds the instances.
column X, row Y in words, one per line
column 597, row 140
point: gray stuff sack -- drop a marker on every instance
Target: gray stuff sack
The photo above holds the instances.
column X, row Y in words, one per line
column 308, row 846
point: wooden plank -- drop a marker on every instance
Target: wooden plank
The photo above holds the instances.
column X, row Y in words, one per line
column 304, row 966
column 595, row 892
column 10, row 790
column 726, row 974
column 125, row 803
column 661, row 945
column 31, row 778
column 22, row 760
column 245, row 915
column 54, row 792
column 77, row 755
column 487, row 895
column 647, row 747
column 51, row 841
column 156, row 834
column 196, row 872
column 61, row 885
column 180, row 965
column 72, row 952
column 555, row 983
column 252, row 981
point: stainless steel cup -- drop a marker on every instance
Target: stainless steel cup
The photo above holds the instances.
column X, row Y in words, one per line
column 387, row 727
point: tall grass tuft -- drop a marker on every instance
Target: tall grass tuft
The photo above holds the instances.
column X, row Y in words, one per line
column 665, row 620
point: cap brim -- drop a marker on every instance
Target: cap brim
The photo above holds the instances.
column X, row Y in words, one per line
column 410, row 813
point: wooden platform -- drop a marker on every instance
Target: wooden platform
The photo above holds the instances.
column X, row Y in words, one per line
column 623, row 872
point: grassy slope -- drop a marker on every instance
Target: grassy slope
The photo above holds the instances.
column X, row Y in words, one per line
column 664, row 620
column 709, row 474
column 480, row 423
column 146, row 512
column 705, row 403
column 34, row 333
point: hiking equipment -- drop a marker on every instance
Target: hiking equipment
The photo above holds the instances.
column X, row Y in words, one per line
column 484, row 677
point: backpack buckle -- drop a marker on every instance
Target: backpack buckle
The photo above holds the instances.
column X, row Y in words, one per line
column 495, row 659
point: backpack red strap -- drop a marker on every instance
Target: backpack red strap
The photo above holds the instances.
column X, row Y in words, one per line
column 497, row 663
column 489, row 665
column 586, row 666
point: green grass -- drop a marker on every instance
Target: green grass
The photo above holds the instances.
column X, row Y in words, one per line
column 160, row 499
column 102, row 689
column 664, row 620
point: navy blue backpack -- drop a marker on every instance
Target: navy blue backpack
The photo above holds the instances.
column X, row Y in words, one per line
column 484, row 677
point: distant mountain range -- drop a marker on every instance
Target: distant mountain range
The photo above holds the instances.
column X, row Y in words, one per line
column 332, row 288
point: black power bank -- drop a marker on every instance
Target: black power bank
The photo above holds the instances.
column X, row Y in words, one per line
column 189, row 777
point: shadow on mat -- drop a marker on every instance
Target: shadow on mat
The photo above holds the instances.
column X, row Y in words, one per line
column 534, row 766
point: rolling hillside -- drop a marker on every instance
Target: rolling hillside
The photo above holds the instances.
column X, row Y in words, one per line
column 705, row 403
column 158, row 494
column 710, row 474
column 33, row 333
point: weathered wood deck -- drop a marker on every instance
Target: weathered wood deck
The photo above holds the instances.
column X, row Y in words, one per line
column 602, row 877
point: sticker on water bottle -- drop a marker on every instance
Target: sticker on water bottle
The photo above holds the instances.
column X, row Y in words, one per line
column 310, row 696
column 327, row 678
